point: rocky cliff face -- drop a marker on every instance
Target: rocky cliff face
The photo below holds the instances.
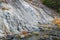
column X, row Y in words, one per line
column 18, row 15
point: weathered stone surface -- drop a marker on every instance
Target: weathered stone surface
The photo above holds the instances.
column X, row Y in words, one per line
column 17, row 16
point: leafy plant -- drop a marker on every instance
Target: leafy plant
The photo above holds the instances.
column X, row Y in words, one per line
column 54, row 4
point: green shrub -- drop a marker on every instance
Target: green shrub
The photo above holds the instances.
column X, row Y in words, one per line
column 49, row 3
column 54, row 4
column 58, row 10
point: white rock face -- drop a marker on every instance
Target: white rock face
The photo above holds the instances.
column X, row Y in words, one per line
column 19, row 15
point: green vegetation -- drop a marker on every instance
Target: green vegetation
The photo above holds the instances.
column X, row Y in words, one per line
column 54, row 4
